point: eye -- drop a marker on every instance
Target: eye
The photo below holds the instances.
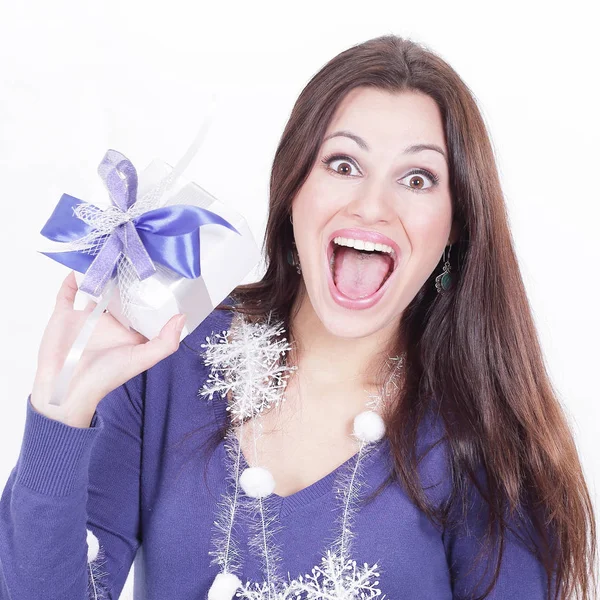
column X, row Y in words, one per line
column 343, row 168
column 415, row 176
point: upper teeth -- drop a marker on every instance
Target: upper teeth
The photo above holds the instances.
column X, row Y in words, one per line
column 363, row 245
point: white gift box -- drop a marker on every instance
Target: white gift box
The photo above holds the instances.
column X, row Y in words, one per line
column 226, row 257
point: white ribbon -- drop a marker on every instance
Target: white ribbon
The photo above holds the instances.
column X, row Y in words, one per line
column 64, row 377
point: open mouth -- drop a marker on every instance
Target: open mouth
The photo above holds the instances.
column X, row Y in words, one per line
column 360, row 269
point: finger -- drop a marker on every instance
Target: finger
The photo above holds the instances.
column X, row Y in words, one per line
column 165, row 343
column 66, row 294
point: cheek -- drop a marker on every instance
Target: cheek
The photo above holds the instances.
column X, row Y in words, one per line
column 429, row 227
column 428, row 233
column 316, row 202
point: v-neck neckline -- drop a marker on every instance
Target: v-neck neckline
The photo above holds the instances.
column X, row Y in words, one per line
column 283, row 505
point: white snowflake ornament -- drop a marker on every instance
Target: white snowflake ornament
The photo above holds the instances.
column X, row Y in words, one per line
column 340, row 579
column 246, row 361
column 257, row 482
column 369, row 426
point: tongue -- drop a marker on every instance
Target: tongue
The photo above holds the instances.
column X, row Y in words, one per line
column 359, row 274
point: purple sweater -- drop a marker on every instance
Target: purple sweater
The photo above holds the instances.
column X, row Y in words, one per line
column 149, row 492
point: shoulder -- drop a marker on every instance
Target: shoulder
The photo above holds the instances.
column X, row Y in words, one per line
column 442, row 481
column 170, row 391
column 434, row 458
column 437, row 465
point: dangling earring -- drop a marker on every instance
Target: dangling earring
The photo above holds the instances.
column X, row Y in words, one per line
column 445, row 280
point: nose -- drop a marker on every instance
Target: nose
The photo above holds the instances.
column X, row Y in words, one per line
column 372, row 203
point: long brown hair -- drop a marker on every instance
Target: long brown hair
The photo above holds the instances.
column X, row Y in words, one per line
column 475, row 349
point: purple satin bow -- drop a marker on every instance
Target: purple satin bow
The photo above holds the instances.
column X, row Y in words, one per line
column 168, row 235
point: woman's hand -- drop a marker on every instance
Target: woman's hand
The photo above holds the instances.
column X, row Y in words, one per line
column 112, row 356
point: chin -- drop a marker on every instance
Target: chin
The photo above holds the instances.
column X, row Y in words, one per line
column 348, row 327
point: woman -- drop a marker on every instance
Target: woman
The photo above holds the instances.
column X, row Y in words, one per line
column 389, row 260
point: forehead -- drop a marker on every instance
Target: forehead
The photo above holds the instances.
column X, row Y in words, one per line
column 389, row 118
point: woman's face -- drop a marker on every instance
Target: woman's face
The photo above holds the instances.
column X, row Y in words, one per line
column 373, row 180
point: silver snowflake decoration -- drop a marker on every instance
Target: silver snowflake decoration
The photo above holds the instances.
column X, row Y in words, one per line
column 338, row 579
column 247, row 361
column 334, row 579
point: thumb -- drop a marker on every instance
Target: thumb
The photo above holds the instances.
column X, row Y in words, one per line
column 165, row 343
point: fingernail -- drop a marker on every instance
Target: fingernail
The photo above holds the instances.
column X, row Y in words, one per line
column 181, row 321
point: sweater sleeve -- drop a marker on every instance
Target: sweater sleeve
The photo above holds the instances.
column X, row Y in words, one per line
column 521, row 573
column 69, row 481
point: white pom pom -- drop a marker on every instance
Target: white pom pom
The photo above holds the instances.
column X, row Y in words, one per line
column 93, row 546
column 257, row 482
column 369, row 426
column 224, row 586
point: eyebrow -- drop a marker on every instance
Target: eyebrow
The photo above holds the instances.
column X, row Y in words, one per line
column 413, row 149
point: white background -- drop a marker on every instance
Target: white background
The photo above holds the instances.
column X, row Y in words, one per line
column 77, row 79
